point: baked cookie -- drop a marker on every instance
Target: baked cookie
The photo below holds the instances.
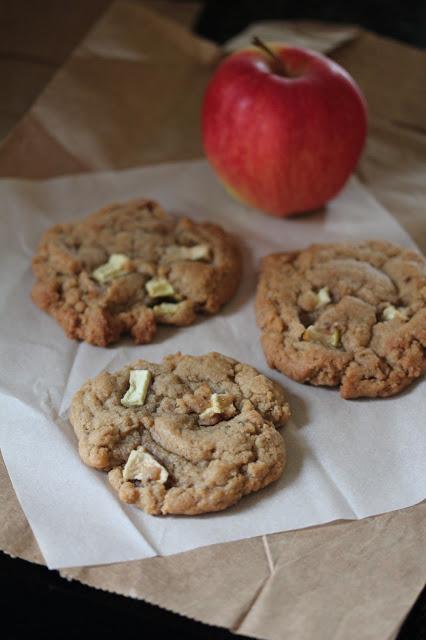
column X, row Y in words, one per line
column 191, row 435
column 352, row 315
column 129, row 267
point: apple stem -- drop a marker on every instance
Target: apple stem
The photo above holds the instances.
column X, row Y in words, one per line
column 279, row 65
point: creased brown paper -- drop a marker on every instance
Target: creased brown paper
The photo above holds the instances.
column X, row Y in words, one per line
column 130, row 95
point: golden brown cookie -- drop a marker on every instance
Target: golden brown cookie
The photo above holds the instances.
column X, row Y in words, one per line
column 129, row 267
column 352, row 315
column 190, row 435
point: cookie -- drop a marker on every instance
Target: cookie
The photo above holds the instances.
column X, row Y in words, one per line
column 352, row 315
column 129, row 267
column 190, row 435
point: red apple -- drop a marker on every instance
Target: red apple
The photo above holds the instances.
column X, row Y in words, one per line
column 283, row 127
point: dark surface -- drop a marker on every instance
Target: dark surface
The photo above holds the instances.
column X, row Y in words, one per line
column 38, row 603
column 403, row 20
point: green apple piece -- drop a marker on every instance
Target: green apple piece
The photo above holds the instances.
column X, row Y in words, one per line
column 197, row 252
column 165, row 309
column 326, row 339
column 116, row 266
column 139, row 381
column 159, row 288
column 141, row 465
column 390, row 313
column 323, row 297
column 219, row 402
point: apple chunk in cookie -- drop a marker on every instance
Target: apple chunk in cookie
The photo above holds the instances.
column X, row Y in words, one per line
column 190, row 435
column 352, row 315
column 128, row 268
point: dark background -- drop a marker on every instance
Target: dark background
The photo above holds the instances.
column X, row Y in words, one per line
column 36, row 602
column 405, row 21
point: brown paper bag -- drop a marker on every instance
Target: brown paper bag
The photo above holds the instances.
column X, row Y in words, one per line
column 130, row 95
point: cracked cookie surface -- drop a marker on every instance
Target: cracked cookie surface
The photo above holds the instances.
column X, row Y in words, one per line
column 352, row 315
column 129, row 267
column 205, row 435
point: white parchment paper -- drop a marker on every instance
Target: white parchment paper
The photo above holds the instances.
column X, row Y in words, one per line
column 346, row 459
